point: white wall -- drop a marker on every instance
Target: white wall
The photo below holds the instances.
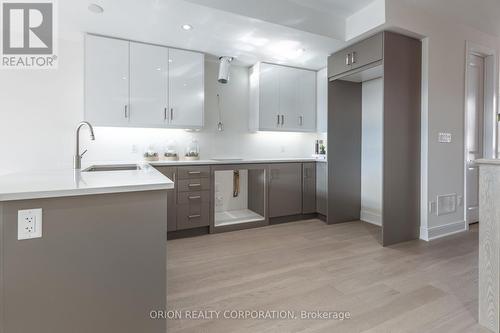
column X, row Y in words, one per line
column 38, row 112
column 40, row 109
column 443, row 106
column 372, row 150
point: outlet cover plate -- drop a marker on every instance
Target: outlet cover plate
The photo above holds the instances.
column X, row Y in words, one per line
column 29, row 224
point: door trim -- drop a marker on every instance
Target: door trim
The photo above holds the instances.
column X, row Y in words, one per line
column 490, row 149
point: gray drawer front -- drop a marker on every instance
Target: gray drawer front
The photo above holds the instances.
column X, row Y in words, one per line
column 189, row 185
column 193, row 197
column 192, row 216
column 192, row 172
column 363, row 53
column 368, row 51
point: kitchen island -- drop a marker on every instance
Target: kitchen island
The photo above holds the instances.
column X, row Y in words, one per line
column 100, row 264
column 489, row 244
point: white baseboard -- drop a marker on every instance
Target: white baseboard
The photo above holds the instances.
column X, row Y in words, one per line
column 371, row 217
column 440, row 231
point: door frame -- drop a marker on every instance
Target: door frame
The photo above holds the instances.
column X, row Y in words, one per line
column 490, row 110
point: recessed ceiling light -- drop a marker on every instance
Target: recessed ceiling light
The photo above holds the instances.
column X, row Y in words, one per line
column 95, row 8
column 187, row 27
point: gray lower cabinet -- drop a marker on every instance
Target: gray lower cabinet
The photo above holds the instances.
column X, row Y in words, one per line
column 171, row 198
column 193, row 197
column 321, row 187
column 309, row 188
column 285, row 189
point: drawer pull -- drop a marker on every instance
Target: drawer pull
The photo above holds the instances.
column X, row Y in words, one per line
column 194, row 197
column 194, row 216
column 194, row 185
column 194, row 172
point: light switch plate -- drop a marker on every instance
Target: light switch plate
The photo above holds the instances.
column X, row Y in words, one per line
column 29, row 224
column 444, row 137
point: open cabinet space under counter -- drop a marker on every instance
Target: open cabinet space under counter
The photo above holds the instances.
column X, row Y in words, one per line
column 239, row 197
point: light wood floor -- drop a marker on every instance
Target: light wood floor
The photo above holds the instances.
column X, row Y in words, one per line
column 308, row 265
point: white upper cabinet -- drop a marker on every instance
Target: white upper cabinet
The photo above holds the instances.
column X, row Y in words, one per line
column 322, row 101
column 269, row 103
column 186, row 85
column 106, row 81
column 133, row 84
column 148, row 85
column 307, row 101
column 282, row 98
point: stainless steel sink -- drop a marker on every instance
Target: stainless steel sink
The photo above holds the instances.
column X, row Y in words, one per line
column 123, row 167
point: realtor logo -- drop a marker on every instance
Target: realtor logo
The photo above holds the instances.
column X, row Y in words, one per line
column 28, row 34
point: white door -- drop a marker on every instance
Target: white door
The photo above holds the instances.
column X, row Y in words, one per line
column 474, row 133
column 289, row 98
column 186, row 86
column 148, row 85
column 307, row 101
column 106, row 81
column 269, row 100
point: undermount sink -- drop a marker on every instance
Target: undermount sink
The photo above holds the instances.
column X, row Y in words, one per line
column 128, row 167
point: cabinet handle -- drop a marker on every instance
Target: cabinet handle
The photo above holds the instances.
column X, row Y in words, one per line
column 277, row 120
column 194, row 172
column 171, row 114
column 126, row 111
column 282, row 120
column 194, row 185
column 353, row 58
column 194, row 197
column 194, row 216
column 301, row 120
column 165, row 113
column 347, row 59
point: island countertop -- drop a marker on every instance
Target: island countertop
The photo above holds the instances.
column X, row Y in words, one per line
column 68, row 182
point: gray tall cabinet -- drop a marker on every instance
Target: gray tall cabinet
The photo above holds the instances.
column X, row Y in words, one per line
column 397, row 60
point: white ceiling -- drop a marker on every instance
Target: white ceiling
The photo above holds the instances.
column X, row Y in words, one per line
column 323, row 17
column 483, row 15
column 218, row 32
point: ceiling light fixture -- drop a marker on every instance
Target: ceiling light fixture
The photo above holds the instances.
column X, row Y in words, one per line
column 187, row 27
column 95, row 8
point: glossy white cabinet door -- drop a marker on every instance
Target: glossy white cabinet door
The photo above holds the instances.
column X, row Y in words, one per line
column 148, row 85
column 106, row 81
column 306, row 112
column 186, row 86
column 322, row 100
column 289, row 98
column 269, row 95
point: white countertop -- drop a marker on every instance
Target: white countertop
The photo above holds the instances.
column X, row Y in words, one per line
column 488, row 161
column 216, row 161
column 68, row 182
column 62, row 183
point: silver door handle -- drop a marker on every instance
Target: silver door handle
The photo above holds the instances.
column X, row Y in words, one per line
column 282, row 120
column 353, row 57
column 165, row 113
column 347, row 59
column 171, row 113
column 194, row 185
column 301, row 120
column 194, row 216
column 194, row 172
column 194, row 197
column 126, row 111
column 277, row 120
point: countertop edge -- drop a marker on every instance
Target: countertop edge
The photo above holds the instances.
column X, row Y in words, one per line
column 484, row 161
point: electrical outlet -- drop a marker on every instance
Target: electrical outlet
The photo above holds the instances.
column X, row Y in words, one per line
column 29, row 224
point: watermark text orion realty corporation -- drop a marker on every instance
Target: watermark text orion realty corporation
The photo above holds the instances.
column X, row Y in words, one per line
column 249, row 314
column 28, row 34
